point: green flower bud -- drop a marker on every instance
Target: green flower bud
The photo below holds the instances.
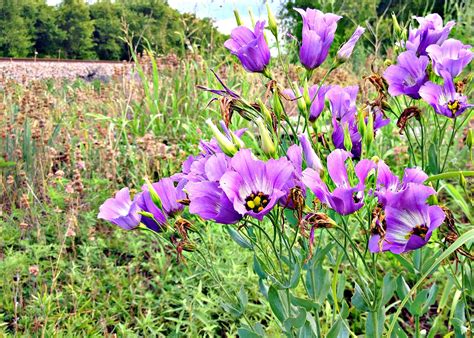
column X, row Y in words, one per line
column 268, row 146
column 361, row 124
column 369, row 132
column 307, row 98
column 277, row 105
column 224, row 143
column 396, row 27
column 470, row 139
column 237, row 18
column 265, row 111
column 272, row 24
column 347, row 138
column 237, row 141
column 153, row 194
column 301, row 103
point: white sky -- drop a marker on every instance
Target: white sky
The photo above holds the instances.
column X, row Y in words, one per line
column 219, row 10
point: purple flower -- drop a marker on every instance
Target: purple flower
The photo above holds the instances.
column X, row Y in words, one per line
column 388, row 183
column 345, row 51
column 250, row 47
column 312, row 160
column 379, row 118
column 318, row 35
column 317, row 98
column 121, row 210
column 169, row 195
column 207, row 199
column 254, row 186
column 342, row 101
column 452, row 56
column 343, row 109
column 430, row 32
column 408, row 75
column 409, row 221
column 444, row 99
column 344, row 199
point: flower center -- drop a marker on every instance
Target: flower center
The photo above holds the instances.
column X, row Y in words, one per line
column 355, row 197
column 420, row 231
column 454, row 106
column 256, row 201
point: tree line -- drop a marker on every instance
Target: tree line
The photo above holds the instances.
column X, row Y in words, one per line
column 102, row 30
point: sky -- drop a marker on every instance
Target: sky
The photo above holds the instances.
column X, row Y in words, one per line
column 219, row 10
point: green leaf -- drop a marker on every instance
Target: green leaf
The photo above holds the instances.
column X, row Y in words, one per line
column 466, row 237
column 388, row 288
column 277, row 305
column 259, row 267
column 239, row 239
column 458, row 198
column 245, row 332
column 359, row 300
column 296, row 322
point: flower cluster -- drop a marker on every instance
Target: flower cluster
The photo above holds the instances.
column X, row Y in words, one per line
column 448, row 57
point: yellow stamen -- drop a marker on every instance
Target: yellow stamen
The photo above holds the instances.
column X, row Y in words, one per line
column 260, row 209
column 257, row 201
column 251, row 204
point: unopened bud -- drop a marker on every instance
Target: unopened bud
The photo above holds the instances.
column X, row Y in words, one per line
column 272, row 23
column 237, row 18
column 396, row 27
column 470, row 139
column 265, row 111
column 347, row 138
column 300, row 101
column 268, row 146
column 307, row 98
column 224, row 143
column 369, row 133
column 277, row 105
column 153, row 194
column 361, row 126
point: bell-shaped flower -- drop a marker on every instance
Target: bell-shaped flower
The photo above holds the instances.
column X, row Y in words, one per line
column 250, row 47
column 254, row 187
column 345, row 52
column 121, row 210
column 408, row 221
column 430, row 32
column 408, row 75
column 452, row 56
column 318, row 34
column 345, row 199
column 445, row 100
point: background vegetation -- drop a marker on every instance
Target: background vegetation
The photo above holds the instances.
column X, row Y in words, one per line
column 78, row 30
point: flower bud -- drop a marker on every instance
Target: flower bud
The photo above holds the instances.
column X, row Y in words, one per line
column 361, row 126
column 265, row 111
column 153, row 194
column 224, row 143
column 268, row 146
column 396, row 27
column 347, row 138
column 236, row 140
column 272, row 24
column 277, row 105
column 369, row 132
column 307, row 98
column 300, row 101
column 470, row 139
column 237, row 18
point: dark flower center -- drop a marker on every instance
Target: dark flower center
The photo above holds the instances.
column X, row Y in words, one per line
column 256, row 201
column 355, row 197
column 454, row 106
column 420, row 231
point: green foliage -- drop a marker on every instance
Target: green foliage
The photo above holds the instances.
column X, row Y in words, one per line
column 80, row 30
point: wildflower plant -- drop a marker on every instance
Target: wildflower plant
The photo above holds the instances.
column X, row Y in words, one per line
column 313, row 196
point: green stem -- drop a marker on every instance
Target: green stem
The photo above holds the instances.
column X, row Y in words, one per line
column 417, row 326
column 451, row 140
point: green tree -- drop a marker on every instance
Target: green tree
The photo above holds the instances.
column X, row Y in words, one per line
column 107, row 29
column 16, row 39
column 77, row 28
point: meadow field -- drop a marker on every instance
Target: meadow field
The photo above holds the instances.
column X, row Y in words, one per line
column 72, row 136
